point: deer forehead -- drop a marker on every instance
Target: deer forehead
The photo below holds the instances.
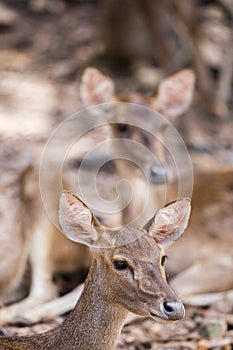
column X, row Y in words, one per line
column 143, row 248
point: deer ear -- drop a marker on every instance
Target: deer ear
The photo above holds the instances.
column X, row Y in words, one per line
column 169, row 223
column 96, row 88
column 77, row 221
column 175, row 94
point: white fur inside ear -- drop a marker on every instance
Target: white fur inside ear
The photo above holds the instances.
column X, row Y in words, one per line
column 165, row 217
column 170, row 222
column 175, row 94
column 96, row 88
column 80, row 214
column 76, row 220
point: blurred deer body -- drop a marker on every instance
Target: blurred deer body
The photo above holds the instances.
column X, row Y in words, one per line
column 29, row 241
column 210, row 231
column 127, row 274
column 14, row 252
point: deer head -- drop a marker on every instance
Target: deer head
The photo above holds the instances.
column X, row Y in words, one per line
column 130, row 262
column 173, row 98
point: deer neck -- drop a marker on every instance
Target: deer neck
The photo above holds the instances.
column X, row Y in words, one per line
column 94, row 324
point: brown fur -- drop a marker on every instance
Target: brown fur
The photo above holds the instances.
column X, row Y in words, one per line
column 109, row 293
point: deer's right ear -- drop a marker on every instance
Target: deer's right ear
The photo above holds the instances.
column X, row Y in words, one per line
column 96, row 88
column 77, row 221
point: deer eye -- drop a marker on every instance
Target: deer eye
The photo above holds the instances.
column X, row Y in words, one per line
column 120, row 264
column 163, row 259
column 123, row 128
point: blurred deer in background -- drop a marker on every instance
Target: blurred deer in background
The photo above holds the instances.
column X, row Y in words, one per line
column 173, row 98
column 127, row 275
column 32, row 248
column 203, row 262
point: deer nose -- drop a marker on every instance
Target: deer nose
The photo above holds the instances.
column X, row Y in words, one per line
column 158, row 174
column 174, row 310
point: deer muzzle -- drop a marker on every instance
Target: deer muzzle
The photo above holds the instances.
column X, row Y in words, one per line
column 173, row 310
column 169, row 311
column 158, row 174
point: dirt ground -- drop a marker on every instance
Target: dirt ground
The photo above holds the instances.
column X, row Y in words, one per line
column 44, row 47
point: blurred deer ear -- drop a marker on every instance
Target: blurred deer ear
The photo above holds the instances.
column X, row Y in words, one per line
column 77, row 221
column 175, row 94
column 96, row 88
column 169, row 223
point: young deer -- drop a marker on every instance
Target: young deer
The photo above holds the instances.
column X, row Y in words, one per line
column 127, row 275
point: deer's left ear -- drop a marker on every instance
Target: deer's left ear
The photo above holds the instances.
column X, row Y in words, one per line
column 96, row 88
column 169, row 223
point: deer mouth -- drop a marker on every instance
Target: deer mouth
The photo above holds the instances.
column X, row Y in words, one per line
column 162, row 319
column 158, row 318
